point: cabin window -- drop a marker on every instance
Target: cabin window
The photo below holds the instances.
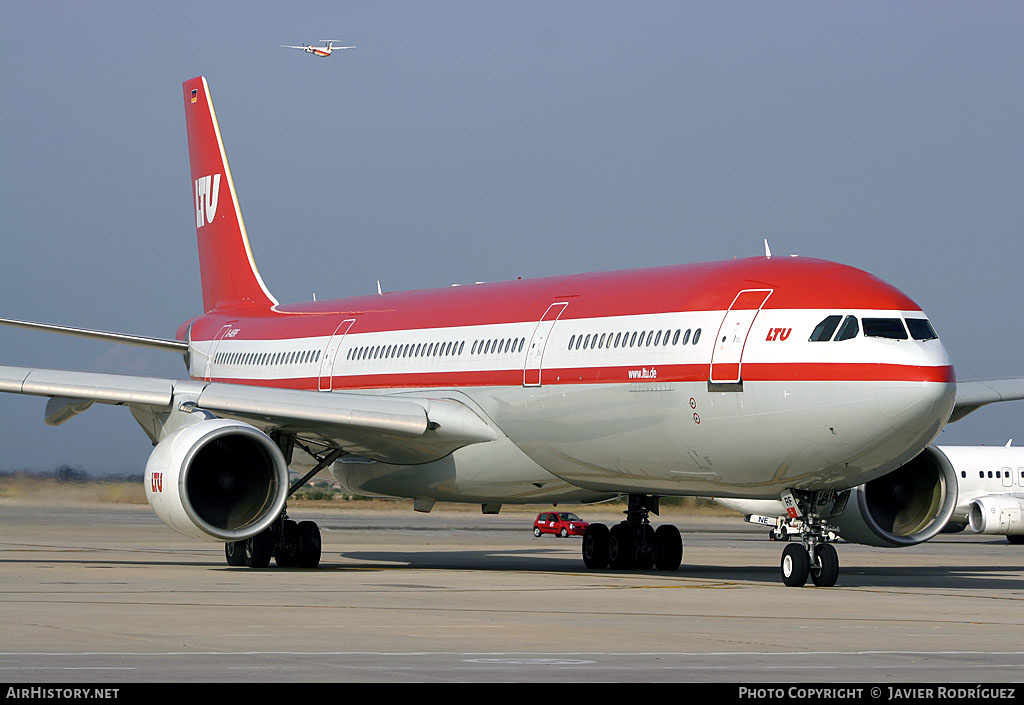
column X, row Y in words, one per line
column 891, row 328
column 824, row 330
column 849, row 329
column 921, row 329
column 696, row 336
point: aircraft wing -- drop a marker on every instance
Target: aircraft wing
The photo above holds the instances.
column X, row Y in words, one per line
column 288, row 46
column 974, row 394
column 397, row 429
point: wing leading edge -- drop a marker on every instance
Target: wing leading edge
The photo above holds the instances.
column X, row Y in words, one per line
column 396, row 429
column 974, row 394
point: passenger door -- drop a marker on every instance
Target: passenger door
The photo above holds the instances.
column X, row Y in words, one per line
column 727, row 355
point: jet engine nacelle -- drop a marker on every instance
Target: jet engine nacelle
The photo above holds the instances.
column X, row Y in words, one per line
column 997, row 515
column 217, row 479
column 909, row 505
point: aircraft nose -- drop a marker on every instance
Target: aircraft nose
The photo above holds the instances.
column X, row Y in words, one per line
column 916, row 398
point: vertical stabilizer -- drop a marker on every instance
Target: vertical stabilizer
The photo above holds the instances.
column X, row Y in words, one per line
column 229, row 275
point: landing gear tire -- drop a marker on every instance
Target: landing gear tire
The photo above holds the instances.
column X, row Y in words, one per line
column 796, row 565
column 259, row 549
column 234, row 552
column 595, row 547
column 1016, row 539
column 826, row 572
column 645, row 551
column 621, row 547
column 287, row 552
column 668, row 547
column 309, row 544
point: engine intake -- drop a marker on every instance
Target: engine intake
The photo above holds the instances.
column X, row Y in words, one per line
column 219, row 479
column 909, row 505
column 997, row 515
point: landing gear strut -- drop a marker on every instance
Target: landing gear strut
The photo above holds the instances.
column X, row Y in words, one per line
column 292, row 544
column 633, row 543
column 813, row 557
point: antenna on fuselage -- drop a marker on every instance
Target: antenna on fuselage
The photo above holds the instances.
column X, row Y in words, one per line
column 767, row 250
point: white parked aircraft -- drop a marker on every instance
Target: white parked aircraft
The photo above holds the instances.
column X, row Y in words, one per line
column 323, row 51
column 753, row 378
column 990, row 499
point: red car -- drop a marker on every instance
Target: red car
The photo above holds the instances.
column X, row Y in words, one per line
column 560, row 523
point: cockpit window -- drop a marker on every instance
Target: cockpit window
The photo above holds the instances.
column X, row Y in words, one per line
column 891, row 328
column 825, row 329
column 849, row 329
column 921, row 329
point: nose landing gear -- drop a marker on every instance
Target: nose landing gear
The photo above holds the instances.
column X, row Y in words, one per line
column 813, row 557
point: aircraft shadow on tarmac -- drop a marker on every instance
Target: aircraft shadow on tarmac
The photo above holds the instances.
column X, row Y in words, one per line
column 965, row 577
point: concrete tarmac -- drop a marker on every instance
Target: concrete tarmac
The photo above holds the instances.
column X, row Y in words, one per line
column 106, row 594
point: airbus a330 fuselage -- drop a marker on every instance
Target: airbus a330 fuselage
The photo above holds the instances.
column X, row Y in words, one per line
column 696, row 379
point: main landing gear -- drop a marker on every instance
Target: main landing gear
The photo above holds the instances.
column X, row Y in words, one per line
column 633, row 543
column 292, row 544
column 813, row 557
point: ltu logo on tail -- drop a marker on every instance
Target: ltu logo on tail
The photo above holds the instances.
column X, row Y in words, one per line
column 206, row 199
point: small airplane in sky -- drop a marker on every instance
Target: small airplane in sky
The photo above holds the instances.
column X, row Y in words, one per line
column 318, row 51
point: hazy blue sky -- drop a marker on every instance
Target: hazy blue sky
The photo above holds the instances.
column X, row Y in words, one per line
column 481, row 141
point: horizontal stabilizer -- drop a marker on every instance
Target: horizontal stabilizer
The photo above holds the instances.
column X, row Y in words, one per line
column 140, row 340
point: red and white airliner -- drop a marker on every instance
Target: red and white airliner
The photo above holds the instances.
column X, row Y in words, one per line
column 323, row 51
column 769, row 377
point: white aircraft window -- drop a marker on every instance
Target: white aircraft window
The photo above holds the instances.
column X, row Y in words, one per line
column 849, row 329
column 921, row 329
column 891, row 328
column 824, row 330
